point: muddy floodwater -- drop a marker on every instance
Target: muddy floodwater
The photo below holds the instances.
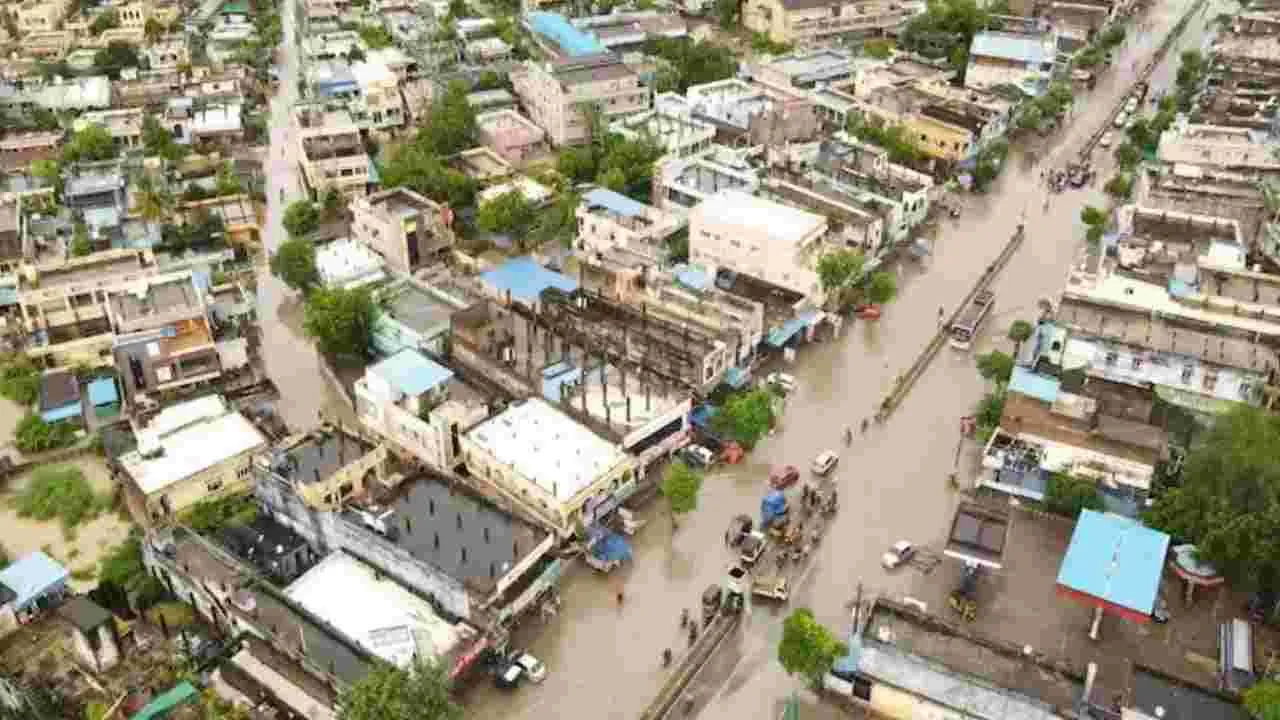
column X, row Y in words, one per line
column 604, row 658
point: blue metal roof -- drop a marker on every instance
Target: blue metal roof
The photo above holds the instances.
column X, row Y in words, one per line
column 1033, row 384
column 66, row 412
column 694, row 277
column 779, row 336
column 554, row 376
column 103, row 391
column 31, row 576
column 614, row 202
column 1116, row 560
column 526, row 279
column 411, row 372
column 736, row 377
column 570, row 39
column 1013, row 46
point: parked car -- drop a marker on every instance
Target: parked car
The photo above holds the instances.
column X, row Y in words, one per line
column 507, row 675
column 825, row 461
column 1108, row 137
column 783, row 476
column 899, row 554
column 1121, row 119
column 782, row 381
column 697, row 456
column 532, row 666
column 1131, row 105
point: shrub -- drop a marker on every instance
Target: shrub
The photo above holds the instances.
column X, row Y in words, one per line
column 33, row 434
column 59, row 491
column 20, row 381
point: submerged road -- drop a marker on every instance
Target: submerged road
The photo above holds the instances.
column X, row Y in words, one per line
column 604, row 659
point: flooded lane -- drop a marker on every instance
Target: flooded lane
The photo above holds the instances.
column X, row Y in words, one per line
column 604, row 659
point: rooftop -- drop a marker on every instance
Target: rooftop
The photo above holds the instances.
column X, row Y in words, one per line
column 375, row 612
column 978, row 533
column 1020, row 47
column 155, row 295
column 523, row 279
column 572, row 41
column 83, row 613
column 411, row 373
column 547, row 447
column 815, row 66
column 348, row 263
column 734, row 208
column 260, row 542
column 30, row 576
column 1115, row 563
column 186, row 438
column 58, row 388
column 317, row 455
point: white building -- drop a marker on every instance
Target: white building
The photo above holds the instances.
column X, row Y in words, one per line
column 1230, row 148
column 1023, row 60
column 757, row 237
column 548, row 461
column 682, row 183
column 348, row 264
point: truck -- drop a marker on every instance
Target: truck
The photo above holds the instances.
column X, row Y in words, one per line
column 773, row 587
column 965, row 328
column 753, row 546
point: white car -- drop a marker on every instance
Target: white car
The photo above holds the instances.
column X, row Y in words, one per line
column 824, row 462
column 782, row 380
column 1108, row 137
column 898, row 555
column 1121, row 119
column 1131, row 106
column 533, row 667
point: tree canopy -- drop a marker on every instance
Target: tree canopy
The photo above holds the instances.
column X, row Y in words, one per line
column 995, row 366
column 20, row 380
column 115, row 57
column 509, row 212
column 59, row 491
column 294, row 262
column 301, row 218
column 1069, row 496
column 450, row 124
column 882, row 287
column 91, row 143
column 341, row 321
column 839, row 268
column 894, row 138
column 807, row 647
column 680, row 486
column 33, row 434
column 622, row 165
column 946, row 30
column 1229, row 501
column 158, row 141
column 1263, row 700
column 1091, row 215
column 415, row 165
column 746, row 417
column 1020, row 331
column 389, row 693
column 690, row 62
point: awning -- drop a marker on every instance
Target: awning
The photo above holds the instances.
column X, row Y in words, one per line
column 66, row 412
column 780, row 336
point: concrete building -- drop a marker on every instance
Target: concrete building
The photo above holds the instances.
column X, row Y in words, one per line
column 12, row 232
column 20, row 149
column 827, row 67
column 325, row 467
column 753, row 236
column 1234, row 149
column 406, row 229
column 332, row 151
column 623, row 32
column 418, row 312
column 678, row 133
column 538, row 453
column 555, row 94
column 377, row 104
column 682, row 183
column 348, row 264
column 405, row 398
column 510, row 134
column 947, row 124
column 125, row 125
column 192, row 451
column 753, row 114
column 623, row 237
column 812, row 22
column 40, row 15
column 1022, row 60
column 1241, row 89
column 853, row 224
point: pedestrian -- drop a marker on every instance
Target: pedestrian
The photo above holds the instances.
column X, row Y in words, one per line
column 619, row 598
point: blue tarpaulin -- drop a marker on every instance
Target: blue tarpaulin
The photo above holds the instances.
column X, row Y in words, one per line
column 610, row 546
column 700, row 417
column 694, row 277
column 736, row 377
column 572, row 41
column 772, row 506
column 781, row 335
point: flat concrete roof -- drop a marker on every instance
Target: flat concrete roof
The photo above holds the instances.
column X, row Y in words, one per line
column 375, row 612
column 734, row 208
column 547, row 447
column 189, row 437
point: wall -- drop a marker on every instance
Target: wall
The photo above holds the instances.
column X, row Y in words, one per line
column 330, row 532
column 353, row 475
column 234, row 474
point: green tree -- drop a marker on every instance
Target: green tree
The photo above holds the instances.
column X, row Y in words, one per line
column 375, row 37
column 341, row 321
column 680, row 486
column 152, row 29
column 614, row 179
column 558, row 221
column 115, row 57
column 807, row 647
column 1068, row 496
column 1119, row 186
column 20, row 380
column 1094, row 235
column 450, row 124
column 1019, row 332
column 91, row 143
column 122, row 564
column 1229, row 500
column 987, row 163
column 387, row 692
column 878, row 48
column 80, row 245
column 33, row 434
column 105, row 20
column 416, row 166
column 294, row 262
column 578, row 164
column 882, row 287
column 727, row 13
column 693, row 62
column 995, row 366
column 1091, row 215
column 1029, row 117
column 746, row 417
column 490, row 80
column 510, row 212
column 301, row 218
column 159, row 142
column 839, row 269
column 1128, row 156
column 227, row 182
column 154, row 201
column 988, row 413
column 1263, row 700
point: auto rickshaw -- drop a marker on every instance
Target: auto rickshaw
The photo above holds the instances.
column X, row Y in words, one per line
column 711, row 599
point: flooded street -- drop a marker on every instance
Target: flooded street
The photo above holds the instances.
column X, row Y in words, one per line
column 604, row 659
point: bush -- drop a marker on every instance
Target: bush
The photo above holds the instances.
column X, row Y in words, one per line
column 232, row 510
column 1068, row 496
column 59, row 491
column 20, row 381
column 33, row 434
column 988, row 414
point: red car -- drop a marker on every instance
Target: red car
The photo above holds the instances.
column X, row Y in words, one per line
column 867, row 312
column 783, row 476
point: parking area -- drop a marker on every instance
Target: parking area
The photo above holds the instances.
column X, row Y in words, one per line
column 1020, row 605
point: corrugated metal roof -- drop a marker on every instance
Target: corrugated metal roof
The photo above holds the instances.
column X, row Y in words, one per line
column 411, row 372
column 614, row 202
column 32, row 576
column 1012, row 46
column 526, row 279
column 1032, row 384
column 1116, row 560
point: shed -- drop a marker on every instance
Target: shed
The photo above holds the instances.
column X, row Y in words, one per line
column 523, row 280
column 59, row 396
column 1114, row 564
column 411, row 373
column 104, row 396
column 32, row 578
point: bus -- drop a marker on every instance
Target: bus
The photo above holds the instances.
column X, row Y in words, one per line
column 965, row 328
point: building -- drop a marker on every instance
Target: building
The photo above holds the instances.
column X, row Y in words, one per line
column 826, row 67
column 406, row 229
column 814, row 22
column 510, row 134
column 348, row 264
column 749, row 113
column 378, row 104
column 1234, row 149
column 94, row 639
column 533, row 451
column 29, row 585
column 326, row 467
column 1241, row 89
column 405, row 398
column 559, row 38
column 378, row 614
column 331, row 151
column 679, row 134
column 39, row 15
column 556, row 93
column 418, row 312
column 778, row 244
column 192, row 451
column 1022, row 60
column 12, row 231
column 680, row 184
column 947, row 123
column 623, row 32
column 625, row 238
column 19, row 149
column 59, row 397
column 125, row 125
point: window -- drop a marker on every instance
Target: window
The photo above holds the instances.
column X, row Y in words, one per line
column 214, row 485
column 1111, row 358
column 1187, row 372
column 1137, row 363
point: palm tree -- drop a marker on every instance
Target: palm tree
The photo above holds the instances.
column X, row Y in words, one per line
column 1019, row 333
column 153, row 199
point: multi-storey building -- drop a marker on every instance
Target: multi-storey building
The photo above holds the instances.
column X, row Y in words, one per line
column 560, row 95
